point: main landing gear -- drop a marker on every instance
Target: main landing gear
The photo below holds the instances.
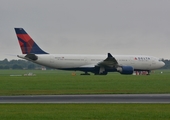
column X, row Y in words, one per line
column 148, row 72
column 86, row 73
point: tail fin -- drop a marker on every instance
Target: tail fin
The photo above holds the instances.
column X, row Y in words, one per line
column 26, row 43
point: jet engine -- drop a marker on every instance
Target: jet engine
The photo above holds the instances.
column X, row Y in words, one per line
column 127, row 70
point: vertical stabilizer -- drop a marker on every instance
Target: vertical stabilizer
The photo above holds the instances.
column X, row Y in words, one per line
column 26, row 43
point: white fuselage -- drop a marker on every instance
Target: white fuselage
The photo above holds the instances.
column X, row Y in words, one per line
column 66, row 61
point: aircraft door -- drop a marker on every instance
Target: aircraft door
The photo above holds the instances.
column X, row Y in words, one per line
column 132, row 61
column 52, row 59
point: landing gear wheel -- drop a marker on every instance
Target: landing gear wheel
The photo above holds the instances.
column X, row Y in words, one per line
column 149, row 72
column 86, row 73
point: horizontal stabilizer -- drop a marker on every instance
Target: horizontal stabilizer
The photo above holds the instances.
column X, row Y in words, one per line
column 31, row 57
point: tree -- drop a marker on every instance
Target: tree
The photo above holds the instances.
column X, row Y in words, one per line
column 15, row 66
column 6, row 67
column 31, row 66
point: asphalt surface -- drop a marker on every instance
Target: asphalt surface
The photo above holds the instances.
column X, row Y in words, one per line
column 116, row 98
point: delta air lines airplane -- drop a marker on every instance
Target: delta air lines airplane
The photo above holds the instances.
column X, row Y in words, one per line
column 97, row 64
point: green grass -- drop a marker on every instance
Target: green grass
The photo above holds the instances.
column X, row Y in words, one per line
column 61, row 82
column 85, row 111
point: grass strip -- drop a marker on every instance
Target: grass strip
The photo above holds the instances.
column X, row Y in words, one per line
column 85, row 111
column 56, row 82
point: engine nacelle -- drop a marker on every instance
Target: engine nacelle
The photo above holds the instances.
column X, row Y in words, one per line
column 127, row 70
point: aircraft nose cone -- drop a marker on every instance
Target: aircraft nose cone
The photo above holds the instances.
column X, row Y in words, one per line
column 163, row 63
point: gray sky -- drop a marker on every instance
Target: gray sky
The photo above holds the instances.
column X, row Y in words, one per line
column 88, row 26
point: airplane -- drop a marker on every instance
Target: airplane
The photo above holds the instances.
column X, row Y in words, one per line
column 97, row 64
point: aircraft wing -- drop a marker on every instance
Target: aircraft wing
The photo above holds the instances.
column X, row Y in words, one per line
column 109, row 62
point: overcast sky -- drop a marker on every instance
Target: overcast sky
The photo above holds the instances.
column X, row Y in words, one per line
column 88, row 26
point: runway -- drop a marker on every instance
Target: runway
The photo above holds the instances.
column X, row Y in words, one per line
column 111, row 98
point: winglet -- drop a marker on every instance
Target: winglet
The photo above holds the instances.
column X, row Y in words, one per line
column 27, row 44
column 109, row 55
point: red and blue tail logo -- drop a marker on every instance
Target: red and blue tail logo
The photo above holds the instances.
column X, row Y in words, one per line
column 26, row 43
